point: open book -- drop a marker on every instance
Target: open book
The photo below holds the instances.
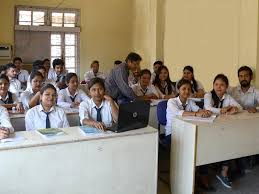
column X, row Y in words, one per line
column 50, row 132
column 88, row 130
column 200, row 119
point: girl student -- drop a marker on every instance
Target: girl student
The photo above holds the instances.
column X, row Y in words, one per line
column 163, row 83
column 8, row 99
column 197, row 87
column 46, row 114
column 31, row 96
column 100, row 111
column 71, row 96
column 143, row 89
column 219, row 102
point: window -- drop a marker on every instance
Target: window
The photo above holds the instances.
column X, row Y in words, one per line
column 43, row 32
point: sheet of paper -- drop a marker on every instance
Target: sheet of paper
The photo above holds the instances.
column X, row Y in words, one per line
column 200, row 119
column 13, row 138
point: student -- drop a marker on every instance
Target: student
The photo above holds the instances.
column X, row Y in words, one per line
column 163, row 84
column 144, row 88
column 156, row 65
column 8, row 99
column 117, row 62
column 59, row 73
column 6, row 127
column 47, row 114
column 197, row 87
column 134, row 77
column 245, row 94
column 22, row 74
column 116, row 82
column 94, row 72
column 71, row 97
column 15, row 85
column 100, row 111
column 182, row 106
column 46, row 64
column 218, row 101
column 31, row 96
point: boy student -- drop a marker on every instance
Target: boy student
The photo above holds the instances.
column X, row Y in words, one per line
column 59, row 73
column 94, row 72
column 6, row 127
column 15, row 85
column 143, row 88
column 22, row 74
column 156, row 65
column 46, row 114
column 116, row 82
column 245, row 94
column 31, row 96
column 100, row 111
column 71, row 96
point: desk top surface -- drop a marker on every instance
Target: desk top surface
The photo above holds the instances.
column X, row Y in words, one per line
column 72, row 134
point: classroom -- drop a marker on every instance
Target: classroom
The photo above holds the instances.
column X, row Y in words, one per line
column 129, row 96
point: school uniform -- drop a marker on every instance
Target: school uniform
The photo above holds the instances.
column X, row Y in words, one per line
column 52, row 75
column 226, row 100
column 89, row 110
column 90, row 75
column 5, row 119
column 36, row 118
column 199, row 86
column 23, row 75
column 139, row 91
column 176, row 108
column 26, row 96
column 249, row 99
column 164, row 90
column 15, row 86
column 10, row 98
column 65, row 99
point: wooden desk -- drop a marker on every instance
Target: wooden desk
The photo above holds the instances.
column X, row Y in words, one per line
column 117, row 163
column 195, row 144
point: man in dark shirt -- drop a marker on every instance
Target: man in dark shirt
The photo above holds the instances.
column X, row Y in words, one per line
column 116, row 83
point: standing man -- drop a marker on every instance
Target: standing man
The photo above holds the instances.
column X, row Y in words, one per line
column 94, row 72
column 116, row 83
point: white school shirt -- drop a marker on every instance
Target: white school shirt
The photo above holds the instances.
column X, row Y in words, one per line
column 160, row 93
column 5, row 119
column 228, row 101
column 15, row 86
column 248, row 99
column 137, row 89
column 90, row 75
column 175, row 108
column 14, row 98
column 23, row 75
column 35, row 118
column 52, row 75
column 64, row 97
column 26, row 96
column 87, row 111
column 199, row 85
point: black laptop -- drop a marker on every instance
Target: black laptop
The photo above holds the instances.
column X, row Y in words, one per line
column 132, row 115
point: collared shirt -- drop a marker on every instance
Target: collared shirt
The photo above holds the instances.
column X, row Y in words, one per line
column 166, row 92
column 35, row 118
column 139, row 91
column 64, row 97
column 227, row 101
column 23, row 75
column 199, row 86
column 116, row 83
column 8, row 98
column 90, row 75
column 52, row 75
column 15, row 86
column 26, row 96
column 175, row 108
column 5, row 119
column 87, row 111
column 249, row 99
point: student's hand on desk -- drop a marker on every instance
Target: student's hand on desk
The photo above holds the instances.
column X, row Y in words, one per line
column 19, row 108
column 204, row 113
column 75, row 104
column 232, row 110
column 252, row 110
column 4, row 132
column 98, row 125
column 225, row 110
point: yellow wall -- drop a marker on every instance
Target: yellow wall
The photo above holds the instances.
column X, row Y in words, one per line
column 215, row 36
column 106, row 28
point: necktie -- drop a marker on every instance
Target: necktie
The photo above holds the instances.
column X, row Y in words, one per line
column 99, row 116
column 184, row 106
column 144, row 91
column 47, row 120
column 73, row 98
column 58, row 78
column 221, row 103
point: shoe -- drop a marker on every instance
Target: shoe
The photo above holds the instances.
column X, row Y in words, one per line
column 225, row 181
